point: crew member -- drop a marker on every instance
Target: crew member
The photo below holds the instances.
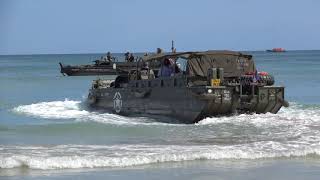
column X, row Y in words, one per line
column 166, row 69
column 109, row 58
column 126, row 55
column 131, row 58
column 159, row 51
column 145, row 72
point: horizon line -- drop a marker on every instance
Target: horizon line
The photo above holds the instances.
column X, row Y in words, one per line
column 27, row 54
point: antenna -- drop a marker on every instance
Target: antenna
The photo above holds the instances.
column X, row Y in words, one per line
column 172, row 47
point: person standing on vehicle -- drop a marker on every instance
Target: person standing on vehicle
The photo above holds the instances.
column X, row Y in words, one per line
column 166, row 69
column 109, row 58
column 131, row 58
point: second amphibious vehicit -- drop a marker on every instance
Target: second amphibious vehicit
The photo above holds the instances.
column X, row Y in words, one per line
column 190, row 86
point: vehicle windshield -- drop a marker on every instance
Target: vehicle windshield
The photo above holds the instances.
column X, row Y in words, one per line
column 182, row 63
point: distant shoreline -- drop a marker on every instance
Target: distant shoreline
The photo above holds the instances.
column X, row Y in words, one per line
column 44, row 54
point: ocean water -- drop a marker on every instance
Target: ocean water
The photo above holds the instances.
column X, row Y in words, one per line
column 47, row 132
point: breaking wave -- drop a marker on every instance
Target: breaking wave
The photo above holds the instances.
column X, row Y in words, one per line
column 92, row 156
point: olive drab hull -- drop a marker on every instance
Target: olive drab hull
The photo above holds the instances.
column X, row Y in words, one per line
column 172, row 97
column 100, row 68
column 97, row 69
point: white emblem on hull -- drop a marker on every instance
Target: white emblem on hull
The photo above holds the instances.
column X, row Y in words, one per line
column 117, row 102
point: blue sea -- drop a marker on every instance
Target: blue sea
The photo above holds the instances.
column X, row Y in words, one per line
column 47, row 132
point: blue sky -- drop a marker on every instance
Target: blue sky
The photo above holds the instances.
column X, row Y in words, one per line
column 94, row 26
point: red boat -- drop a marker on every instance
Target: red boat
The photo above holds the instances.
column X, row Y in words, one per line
column 276, row 50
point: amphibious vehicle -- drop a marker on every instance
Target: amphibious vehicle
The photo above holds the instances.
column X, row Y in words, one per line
column 99, row 68
column 190, row 86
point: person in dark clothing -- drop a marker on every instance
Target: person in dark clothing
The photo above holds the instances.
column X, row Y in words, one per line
column 177, row 69
column 131, row 58
column 109, row 58
column 166, row 69
column 126, row 55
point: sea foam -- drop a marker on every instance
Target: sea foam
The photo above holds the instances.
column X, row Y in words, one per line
column 295, row 115
column 91, row 156
column 293, row 132
column 69, row 109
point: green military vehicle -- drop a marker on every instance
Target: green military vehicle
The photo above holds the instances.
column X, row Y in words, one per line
column 99, row 68
column 190, row 86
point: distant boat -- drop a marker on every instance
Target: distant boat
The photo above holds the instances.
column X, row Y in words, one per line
column 276, row 50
